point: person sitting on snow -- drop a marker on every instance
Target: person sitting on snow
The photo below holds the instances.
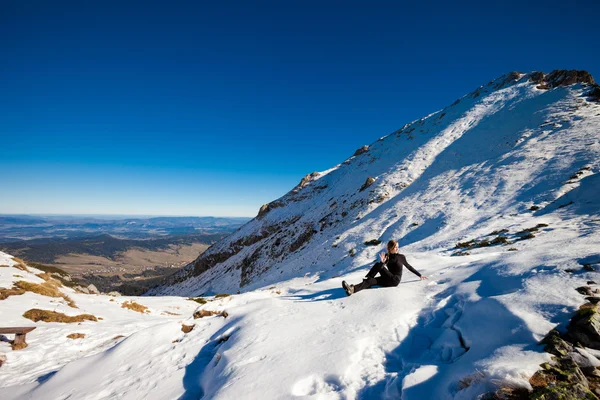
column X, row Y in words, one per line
column 388, row 276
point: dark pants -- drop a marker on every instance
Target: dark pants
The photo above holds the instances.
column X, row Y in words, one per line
column 385, row 278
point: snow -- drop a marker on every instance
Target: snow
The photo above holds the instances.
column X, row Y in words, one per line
column 475, row 167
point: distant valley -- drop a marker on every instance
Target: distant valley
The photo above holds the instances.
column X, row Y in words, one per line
column 126, row 254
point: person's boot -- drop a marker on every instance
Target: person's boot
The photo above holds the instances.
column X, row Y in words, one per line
column 348, row 288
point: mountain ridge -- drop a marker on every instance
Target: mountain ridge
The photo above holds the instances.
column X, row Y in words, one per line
column 515, row 104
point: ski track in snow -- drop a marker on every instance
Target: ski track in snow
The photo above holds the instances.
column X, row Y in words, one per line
column 459, row 174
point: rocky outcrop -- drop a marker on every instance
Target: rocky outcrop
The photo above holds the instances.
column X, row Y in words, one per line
column 595, row 93
column 367, row 183
column 573, row 373
column 305, row 181
column 265, row 208
column 585, row 327
column 92, row 289
column 360, row 151
column 563, row 77
column 560, row 77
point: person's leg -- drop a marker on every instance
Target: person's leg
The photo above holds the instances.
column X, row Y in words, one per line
column 387, row 279
column 365, row 284
column 376, row 269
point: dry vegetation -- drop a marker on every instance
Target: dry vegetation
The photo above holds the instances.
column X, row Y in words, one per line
column 5, row 293
column 76, row 336
column 35, row 314
column 132, row 305
column 48, row 288
column 208, row 313
column 20, row 264
column 187, row 328
column 199, row 300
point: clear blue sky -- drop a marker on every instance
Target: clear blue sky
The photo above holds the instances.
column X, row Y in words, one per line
column 216, row 107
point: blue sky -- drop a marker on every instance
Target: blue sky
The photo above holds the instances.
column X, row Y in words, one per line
column 214, row 108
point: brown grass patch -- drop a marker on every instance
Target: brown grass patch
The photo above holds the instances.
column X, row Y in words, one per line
column 35, row 314
column 468, row 380
column 208, row 313
column 221, row 295
column 20, row 264
column 3, row 266
column 199, row 300
column 132, row 305
column 48, row 288
column 76, row 336
column 5, row 293
column 118, row 337
column 187, row 328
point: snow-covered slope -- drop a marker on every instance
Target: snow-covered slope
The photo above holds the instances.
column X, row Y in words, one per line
column 510, row 170
column 511, row 144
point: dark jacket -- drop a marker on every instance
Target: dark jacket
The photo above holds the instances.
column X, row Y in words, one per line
column 395, row 262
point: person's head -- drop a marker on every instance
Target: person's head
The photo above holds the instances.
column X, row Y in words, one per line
column 393, row 247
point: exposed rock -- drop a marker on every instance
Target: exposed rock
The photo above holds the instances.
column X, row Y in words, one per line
column 265, row 208
column 2, row 359
column 588, row 267
column 367, row 183
column 566, row 370
column 302, row 239
column 114, row 293
column 584, row 327
column 593, row 299
column 536, row 77
column 82, row 289
column 595, row 93
column 305, row 181
column 373, row 242
column 563, row 391
column 360, row 151
column 586, row 290
column 563, row 77
column 92, row 289
column 556, row 345
column 586, row 361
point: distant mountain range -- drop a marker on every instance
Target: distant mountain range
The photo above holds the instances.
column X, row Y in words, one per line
column 24, row 227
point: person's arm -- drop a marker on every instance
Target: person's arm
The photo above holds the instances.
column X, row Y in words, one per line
column 411, row 269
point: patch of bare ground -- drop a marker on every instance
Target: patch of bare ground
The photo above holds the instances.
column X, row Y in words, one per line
column 76, row 336
column 35, row 314
column 132, row 305
column 209, row 313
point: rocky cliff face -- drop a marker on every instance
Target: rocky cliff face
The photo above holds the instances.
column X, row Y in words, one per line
column 510, row 145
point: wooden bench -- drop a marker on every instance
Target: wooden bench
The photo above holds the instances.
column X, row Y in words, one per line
column 19, row 332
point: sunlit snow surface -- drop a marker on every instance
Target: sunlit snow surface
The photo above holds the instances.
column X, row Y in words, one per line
column 294, row 333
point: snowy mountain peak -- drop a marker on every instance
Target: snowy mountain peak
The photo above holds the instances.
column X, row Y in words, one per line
column 497, row 151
